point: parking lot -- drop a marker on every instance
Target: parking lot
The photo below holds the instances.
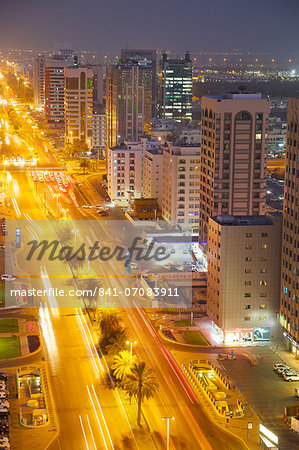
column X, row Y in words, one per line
column 265, row 390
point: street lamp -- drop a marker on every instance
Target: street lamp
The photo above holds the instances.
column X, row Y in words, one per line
column 167, row 429
column 131, row 343
column 75, row 231
column 57, row 197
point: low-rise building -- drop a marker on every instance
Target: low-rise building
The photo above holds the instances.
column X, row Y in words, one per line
column 243, row 285
column 152, row 174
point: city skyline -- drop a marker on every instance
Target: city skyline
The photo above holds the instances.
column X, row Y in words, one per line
column 210, row 27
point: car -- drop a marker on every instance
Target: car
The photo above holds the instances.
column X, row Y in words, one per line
column 4, row 403
column 87, row 206
column 278, row 366
column 6, row 277
column 172, row 251
column 290, row 376
column 185, row 252
column 282, row 369
column 134, row 266
column 288, row 370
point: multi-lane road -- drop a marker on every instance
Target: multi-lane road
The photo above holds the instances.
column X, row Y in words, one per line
column 90, row 415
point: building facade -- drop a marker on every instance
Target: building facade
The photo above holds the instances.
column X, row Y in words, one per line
column 39, row 82
column 128, row 102
column 181, row 184
column 289, row 301
column 243, row 269
column 54, row 90
column 153, row 174
column 125, row 172
column 176, row 88
column 233, row 156
column 99, row 130
column 79, row 105
column 144, row 58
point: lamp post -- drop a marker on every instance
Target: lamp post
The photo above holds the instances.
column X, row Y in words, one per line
column 131, row 343
column 75, row 231
column 167, row 418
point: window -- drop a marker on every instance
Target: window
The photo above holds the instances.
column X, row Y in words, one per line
column 263, row 258
column 264, row 245
column 246, row 318
column 248, row 247
column 247, row 294
column 247, row 307
column 247, row 283
column 248, row 235
column 264, row 234
column 263, row 270
column 263, row 294
column 247, row 270
column 262, row 318
column 263, row 283
column 263, row 306
column 243, row 116
column 247, row 258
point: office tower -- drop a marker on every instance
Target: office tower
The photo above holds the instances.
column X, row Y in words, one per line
column 289, row 306
column 145, row 58
column 243, row 276
column 176, row 88
column 39, row 82
column 233, row 156
column 128, row 102
column 125, row 171
column 152, row 174
column 78, row 105
column 97, row 84
column 180, row 202
column 54, row 89
column 99, row 130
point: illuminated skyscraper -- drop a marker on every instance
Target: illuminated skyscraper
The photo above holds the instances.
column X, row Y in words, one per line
column 39, row 81
column 128, row 102
column 233, row 156
column 289, row 305
column 78, row 105
column 176, row 88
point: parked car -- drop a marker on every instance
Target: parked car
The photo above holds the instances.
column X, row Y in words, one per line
column 4, row 403
column 6, row 277
column 282, row 369
column 3, row 394
column 291, row 376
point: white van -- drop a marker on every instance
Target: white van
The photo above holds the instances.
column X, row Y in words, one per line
column 5, row 277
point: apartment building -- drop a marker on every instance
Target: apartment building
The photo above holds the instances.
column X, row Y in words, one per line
column 99, row 130
column 79, row 105
column 153, row 174
column 289, row 298
column 233, row 156
column 181, row 184
column 39, row 82
column 243, row 282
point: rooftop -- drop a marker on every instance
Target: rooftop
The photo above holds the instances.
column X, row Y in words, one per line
column 245, row 220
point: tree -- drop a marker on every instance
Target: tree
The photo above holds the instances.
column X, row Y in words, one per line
column 109, row 323
column 141, row 383
column 123, row 364
column 84, row 164
column 117, row 343
column 65, row 234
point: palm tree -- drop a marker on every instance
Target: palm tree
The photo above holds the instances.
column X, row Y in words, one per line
column 123, row 364
column 141, row 383
column 109, row 323
column 117, row 343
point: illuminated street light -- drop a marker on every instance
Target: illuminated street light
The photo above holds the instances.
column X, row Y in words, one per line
column 131, row 343
column 167, row 429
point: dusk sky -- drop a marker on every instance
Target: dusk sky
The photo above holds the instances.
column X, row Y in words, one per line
column 265, row 25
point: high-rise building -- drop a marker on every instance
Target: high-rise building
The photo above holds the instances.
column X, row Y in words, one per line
column 233, row 156
column 145, row 58
column 79, row 105
column 99, row 130
column 128, row 102
column 289, row 302
column 180, row 198
column 243, row 276
column 39, row 82
column 176, row 88
column 54, row 89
